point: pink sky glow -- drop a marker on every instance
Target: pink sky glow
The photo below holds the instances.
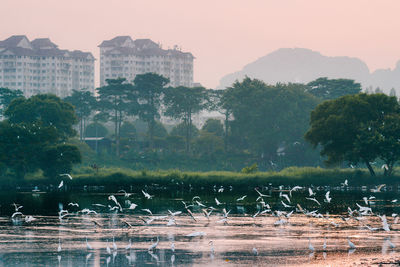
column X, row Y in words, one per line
column 223, row 35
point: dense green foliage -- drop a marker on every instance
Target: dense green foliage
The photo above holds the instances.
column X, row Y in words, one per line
column 117, row 178
column 116, row 100
column 45, row 110
column 150, row 87
column 84, row 102
column 97, row 129
column 268, row 119
column 182, row 103
column 6, row 96
column 258, row 124
column 32, row 135
column 358, row 128
column 325, row 88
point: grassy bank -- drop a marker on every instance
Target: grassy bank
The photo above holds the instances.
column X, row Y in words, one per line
column 119, row 178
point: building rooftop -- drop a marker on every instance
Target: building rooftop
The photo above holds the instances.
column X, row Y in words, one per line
column 20, row 45
column 141, row 47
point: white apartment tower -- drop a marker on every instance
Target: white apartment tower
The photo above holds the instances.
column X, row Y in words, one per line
column 40, row 66
column 122, row 57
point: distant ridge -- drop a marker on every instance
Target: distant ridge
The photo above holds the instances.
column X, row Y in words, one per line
column 302, row 65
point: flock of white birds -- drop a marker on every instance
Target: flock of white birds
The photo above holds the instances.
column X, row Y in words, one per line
column 192, row 208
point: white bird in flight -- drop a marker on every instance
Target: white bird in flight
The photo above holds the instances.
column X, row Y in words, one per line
column 132, row 206
column 310, row 192
column 241, row 198
column 378, row 188
column 294, row 189
column 66, row 174
column 314, row 199
column 260, row 194
column 217, row 202
column 327, row 198
column 147, row 195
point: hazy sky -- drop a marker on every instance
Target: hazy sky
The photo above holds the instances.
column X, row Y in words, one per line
column 223, row 35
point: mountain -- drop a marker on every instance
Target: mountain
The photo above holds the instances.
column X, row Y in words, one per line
column 302, row 65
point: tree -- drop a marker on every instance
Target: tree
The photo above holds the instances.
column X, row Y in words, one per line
column 207, row 144
column 182, row 102
column 357, row 128
column 32, row 128
column 388, row 133
column 213, row 126
column 150, row 88
column 21, row 145
column 45, row 109
column 59, row 159
column 96, row 129
column 6, row 96
column 116, row 100
column 128, row 130
column 223, row 101
column 84, row 102
column 266, row 116
column 159, row 130
column 325, row 88
column 392, row 92
column 180, row 130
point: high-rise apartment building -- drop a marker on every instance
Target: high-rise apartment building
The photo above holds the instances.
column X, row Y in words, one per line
column 123, row 57
column 40, row 66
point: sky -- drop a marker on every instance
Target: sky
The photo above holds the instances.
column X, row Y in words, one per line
column 223, row 35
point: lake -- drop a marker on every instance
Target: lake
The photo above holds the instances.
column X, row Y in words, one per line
column 244, row 232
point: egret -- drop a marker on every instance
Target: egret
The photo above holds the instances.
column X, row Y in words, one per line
column 114, row 245
column 217, row 201
column 385, row 225
column 61, row 184
column 327, row 198
column 148, row 211
column 378, row 188
column 88, row 246
column 29, row 219
column 125, row 193
column 255, row 252
column 195, row 234
column 200, row 204
column 147, row 195
column 241, row 198
column 66, row 174
column 351, row 244
column 285, row 196
column 310, row 246
column 154, row 245
column 174, row 213
column 260, row 194
column 108, row 249
column 294, row 189
column 285, row 205
column 17, row 207
column 310, row 192
column 313, row 199
column 132, row 206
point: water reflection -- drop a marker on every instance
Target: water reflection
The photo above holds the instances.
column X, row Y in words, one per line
column 228, row 236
